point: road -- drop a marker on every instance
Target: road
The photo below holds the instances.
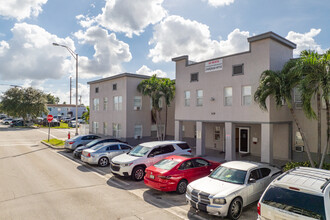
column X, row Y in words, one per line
column 37, row 182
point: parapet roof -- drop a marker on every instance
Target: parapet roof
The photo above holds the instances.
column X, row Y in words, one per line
column 119, row 76
column 273, row 36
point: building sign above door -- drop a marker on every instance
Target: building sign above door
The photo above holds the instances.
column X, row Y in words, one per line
column 213, row 65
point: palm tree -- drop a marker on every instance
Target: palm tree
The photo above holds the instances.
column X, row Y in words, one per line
column 85, row 115
column 167, row 88
column 279, row 84
column 314, row 69
column 151, row 87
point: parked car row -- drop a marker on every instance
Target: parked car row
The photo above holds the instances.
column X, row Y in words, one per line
column 218, row 189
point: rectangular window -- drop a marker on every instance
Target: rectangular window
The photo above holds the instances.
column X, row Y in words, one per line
column 160, row 103
column 199, row 98
column 105, row 103
column 105, row 128
column 116, row 130
column 96, row 106
column 217, row 133
column 95, row 127
column 186, row 98
column 238, row 69
column 117, row 103
column 297, row 95
column 137, row 103
column 246, row 95
column 228, row 94
column 114, row 86
column 97, row 90
column 138, row 131
column 193, row 77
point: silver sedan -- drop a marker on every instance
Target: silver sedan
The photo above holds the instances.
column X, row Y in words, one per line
column 102, row 154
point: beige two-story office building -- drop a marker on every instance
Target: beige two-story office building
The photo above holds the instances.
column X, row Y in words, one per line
column 214, row 104
column 118, row 110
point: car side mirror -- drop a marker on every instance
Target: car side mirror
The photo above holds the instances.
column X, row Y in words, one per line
column 252, row 180
column 151, row 155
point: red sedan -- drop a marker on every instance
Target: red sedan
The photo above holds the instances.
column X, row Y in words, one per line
column 175, row 172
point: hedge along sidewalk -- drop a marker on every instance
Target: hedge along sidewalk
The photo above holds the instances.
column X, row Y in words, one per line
column 54, row 143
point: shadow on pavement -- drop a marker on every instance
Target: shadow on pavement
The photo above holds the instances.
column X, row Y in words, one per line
column 18, row 155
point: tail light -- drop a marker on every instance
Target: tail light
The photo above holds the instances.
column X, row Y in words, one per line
column 258, row 208
column 164, row 177
column 189, row 151
column 71, row 142
column 88, row 155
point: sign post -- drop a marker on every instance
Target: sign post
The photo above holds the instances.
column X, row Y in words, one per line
column 49, row 119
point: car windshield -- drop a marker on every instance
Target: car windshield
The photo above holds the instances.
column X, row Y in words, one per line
column 98, row 146
column 229, row 175
column 294, row 201
column 166, row 164
column 92, row 143
column 139, row 151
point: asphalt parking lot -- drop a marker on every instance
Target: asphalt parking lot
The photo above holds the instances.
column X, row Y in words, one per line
column 166, row 200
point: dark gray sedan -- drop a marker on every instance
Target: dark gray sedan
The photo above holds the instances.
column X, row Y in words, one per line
column 102, row 154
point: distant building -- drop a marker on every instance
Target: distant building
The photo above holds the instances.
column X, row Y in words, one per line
column 64, row 110
column 117, row 109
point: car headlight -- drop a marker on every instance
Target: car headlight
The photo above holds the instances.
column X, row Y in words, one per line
column 126, row 164
column 220, row 201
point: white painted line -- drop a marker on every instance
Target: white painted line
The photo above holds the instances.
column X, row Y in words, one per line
column 47, row 134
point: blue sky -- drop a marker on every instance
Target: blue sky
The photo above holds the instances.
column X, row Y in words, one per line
column 140, row 36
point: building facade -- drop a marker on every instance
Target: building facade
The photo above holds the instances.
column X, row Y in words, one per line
column 118, row 110
column 64, row 110
column 214, row 104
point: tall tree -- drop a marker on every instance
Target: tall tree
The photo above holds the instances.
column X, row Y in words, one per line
column 86, row 115
column 24, row 102
column 167, row 88
column 151, row 87
column 279, row 85
column 314, row 69
column 52, row 99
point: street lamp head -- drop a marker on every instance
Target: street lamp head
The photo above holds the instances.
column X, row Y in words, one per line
column 56, row 44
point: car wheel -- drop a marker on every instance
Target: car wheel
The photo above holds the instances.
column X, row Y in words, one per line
column 103, row 161
column 138, row 173
column 235, row 208
column 182, row 187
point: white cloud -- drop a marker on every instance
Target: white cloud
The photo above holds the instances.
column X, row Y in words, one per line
column 219, row 3
column 109, row 54
column 131, row 17
column 20, row 9
column 144, row 70
column 192, row 38
column 305, row 41
column 29, row 54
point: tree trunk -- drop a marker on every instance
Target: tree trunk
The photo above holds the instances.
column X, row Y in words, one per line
column 303, row 137
column 328, row 134
column 318, row 99
column 165, row 125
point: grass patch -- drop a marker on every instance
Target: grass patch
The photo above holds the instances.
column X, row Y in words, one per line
column 62, row 125
column 55, row 142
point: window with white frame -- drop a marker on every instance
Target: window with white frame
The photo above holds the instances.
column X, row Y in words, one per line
column 297, row 95
column 105, row 103
column 117, row 103
column 116, row 130
column 138, row 131
column 95, row 127
column 246, row 95
column 105, row 128
column 96, row 105
column 186, row 98
column 228, row 94
column 160, row 103
column 199, row 98
column 217, row 133
column 137, row 102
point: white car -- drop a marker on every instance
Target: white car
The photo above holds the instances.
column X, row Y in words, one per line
column 146, row 154
column 300, row 193
column 230, row 187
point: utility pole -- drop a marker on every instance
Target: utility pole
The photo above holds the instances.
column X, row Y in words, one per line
column 70, row 89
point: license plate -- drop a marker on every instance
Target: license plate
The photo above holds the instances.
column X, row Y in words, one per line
column 152, row 177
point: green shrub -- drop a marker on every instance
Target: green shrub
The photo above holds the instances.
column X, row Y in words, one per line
column 291, row 165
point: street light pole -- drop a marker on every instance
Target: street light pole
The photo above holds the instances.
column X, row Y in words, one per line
column 74, row 55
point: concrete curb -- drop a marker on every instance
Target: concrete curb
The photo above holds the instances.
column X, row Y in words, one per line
column 52, row 146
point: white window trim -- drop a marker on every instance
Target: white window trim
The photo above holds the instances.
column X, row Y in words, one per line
column 243, row 96
column 225, row 96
